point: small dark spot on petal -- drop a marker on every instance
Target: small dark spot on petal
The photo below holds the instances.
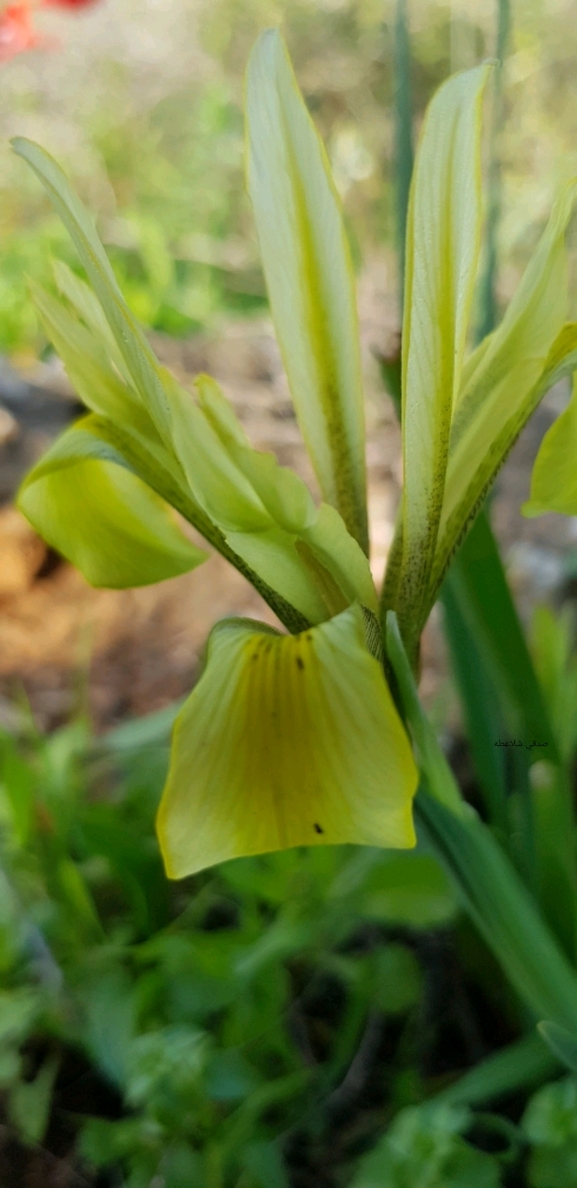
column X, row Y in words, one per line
column 300, row 662
column 318, row 828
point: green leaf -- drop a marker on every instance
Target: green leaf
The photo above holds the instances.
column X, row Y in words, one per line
column 443, row 243
column 504, row 380
column 19, row 1010
column 562, row 1043
column 108, row 1029
column 286, row 741
column 424, row 1147
column 29, row 1103
column 525, row 1062
column 479, row 697
column 554, row 478
column 502, row 909
column 479, row 585
column 555, row 660
column 550, row 1124
column 102, row 517
column 409, row 890
column 434, row 767
column 265, row 1165
column 131, row 342
column 309, row 277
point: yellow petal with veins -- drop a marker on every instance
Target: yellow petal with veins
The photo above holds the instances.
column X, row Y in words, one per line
column 286, row 741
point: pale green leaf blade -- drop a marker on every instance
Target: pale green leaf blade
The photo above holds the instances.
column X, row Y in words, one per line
column 309, row 277
column 126, row 445
column 131, row 342
column 533, row 320
column 554, row 478
column 282, row 492
column 443, row 243
column 322, row 537
column 273, row 554
column 229, row 498
column 506, row 378
column 87, row 306
column 286, row 741
column 342, row 557
column 88, row 369
column 102, row 517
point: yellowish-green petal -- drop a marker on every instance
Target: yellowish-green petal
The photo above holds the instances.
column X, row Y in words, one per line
column 341, row 556
column 506, row 377
column 309, row 277
column 554, row 478
column 326, row 540
column 132, row 344
column 107, row 522
column 286, row 741
column 86, row 362
column 283, row 493
column 443, row 243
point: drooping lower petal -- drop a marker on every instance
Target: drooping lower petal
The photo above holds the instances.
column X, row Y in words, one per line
column 105, row 520
column 286, row 741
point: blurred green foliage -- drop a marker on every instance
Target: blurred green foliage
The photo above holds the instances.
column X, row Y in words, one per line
column 221, row 1016
column 154, row 140
column 214, row 1031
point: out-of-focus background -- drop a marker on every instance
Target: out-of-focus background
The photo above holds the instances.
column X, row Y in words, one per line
column 141, row 101
column 274, row 1022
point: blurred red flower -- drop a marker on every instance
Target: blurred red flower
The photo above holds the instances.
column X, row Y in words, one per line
column 17, row 33
column 68, row 3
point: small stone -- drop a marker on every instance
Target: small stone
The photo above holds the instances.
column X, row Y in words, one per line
column 22, row 553
column 9, row 427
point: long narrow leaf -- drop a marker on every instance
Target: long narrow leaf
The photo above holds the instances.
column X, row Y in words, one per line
column 486, row 604
column 403, row 131
column 502, row 910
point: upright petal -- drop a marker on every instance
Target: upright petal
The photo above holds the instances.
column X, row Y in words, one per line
column 506, row 377
column 286, row 741
column 130, row 340
column 309, row 277
column 554, row 478
column 443, row 242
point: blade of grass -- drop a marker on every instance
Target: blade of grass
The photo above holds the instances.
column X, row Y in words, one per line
column 487, row 883
column 487, row 295
column 403, row 132
column 525, row 1063
column 481, row 709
